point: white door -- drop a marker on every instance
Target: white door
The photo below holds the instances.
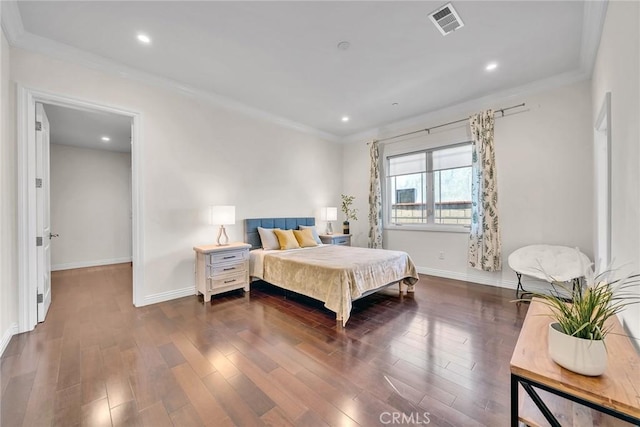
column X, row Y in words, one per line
column 43, row 218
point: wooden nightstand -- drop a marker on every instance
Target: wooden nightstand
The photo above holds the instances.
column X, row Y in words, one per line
column 221, row 268
column 336, row 239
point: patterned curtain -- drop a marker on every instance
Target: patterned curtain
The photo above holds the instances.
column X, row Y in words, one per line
column 375, row 199
column 484, row 240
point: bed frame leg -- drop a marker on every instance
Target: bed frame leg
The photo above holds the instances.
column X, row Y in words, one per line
column 411, row 288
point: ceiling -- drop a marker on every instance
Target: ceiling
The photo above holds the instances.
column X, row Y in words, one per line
column 84, row 128
column 282, row 59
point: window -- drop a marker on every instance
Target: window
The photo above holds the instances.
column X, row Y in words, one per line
column 430, row 187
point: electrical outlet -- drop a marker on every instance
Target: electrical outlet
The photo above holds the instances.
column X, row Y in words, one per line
column 441, row 255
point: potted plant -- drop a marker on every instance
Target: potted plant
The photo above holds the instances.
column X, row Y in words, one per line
column 580, row 311
column 349, row 212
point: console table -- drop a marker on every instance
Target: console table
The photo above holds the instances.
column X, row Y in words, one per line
column 614, row 393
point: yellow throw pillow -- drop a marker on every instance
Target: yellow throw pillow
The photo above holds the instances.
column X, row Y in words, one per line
column 305, row 238
column 287, row 239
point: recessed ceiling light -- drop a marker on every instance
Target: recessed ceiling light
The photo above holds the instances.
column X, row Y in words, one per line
column 105, row 139
column 344, row 45
column 345, row 118
column 491, row 66
column 395, row 104
column 143, row 38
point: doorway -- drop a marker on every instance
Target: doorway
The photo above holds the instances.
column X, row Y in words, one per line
column 90, row 189
column 28, row 226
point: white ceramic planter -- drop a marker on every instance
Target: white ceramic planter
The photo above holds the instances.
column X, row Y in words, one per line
column 586, row 357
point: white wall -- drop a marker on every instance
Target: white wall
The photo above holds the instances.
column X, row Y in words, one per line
column 195, row 154
column 90, row 207
column 545, row 173
column 8, row 220
column 617, row 71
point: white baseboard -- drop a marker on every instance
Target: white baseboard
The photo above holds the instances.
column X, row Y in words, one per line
column 84, row 264
column 486, row 279
column 169, row 295
column 6, row 337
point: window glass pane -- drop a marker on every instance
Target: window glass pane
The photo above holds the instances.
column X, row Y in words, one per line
column 408, row 199
column 452, row 195
column 450, row 158
column 430, row 187
column 409, row 164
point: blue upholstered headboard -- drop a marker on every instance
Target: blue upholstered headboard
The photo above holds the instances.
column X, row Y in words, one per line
column 252, row 237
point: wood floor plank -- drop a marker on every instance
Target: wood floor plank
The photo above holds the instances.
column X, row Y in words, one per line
column 207, row 407
column 126, row 415
column 15, row 399
column 198, row 362
column 311, row 399
column 68, row 406
column 265, row 358
column 259, row 402
column 96, row 413
column 155, row 416
column 186, row 416
column 118, row 391
column 171, row 355
column 237, row 409
column 275, row 418
column 41, row 405
column 291, row 406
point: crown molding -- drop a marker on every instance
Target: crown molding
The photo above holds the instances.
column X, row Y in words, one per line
column 593, row 22
column 11, row 20
column 594, row 16
column 34, row 43
column 451, row 112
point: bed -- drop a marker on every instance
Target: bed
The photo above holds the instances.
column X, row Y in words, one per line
column 336, row 275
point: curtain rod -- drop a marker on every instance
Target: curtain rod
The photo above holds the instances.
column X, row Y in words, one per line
column 428, row 130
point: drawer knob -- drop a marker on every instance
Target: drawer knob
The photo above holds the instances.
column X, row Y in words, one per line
column 230, row 281
column 228, row 269
column 229, row 257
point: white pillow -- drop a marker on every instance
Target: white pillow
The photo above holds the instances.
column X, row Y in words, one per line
column 268, row 238
column 313, row 231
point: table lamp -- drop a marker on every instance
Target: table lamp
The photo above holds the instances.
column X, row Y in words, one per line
column 223, row 215
column 329, row 214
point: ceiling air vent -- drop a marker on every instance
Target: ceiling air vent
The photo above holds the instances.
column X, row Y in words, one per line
column 446, row 19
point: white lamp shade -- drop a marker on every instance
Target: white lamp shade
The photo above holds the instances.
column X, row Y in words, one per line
column 331, row 214
column 223, row 215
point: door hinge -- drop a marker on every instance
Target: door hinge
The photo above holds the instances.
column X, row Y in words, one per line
column 38, row 182
column 38, row 125
column 40, row 298
column 38, row 241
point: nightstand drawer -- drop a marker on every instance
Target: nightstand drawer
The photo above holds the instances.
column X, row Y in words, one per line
column 229, row 256
column 219, row 270
column 342, row 241
column 238, row 279
column 336, row 239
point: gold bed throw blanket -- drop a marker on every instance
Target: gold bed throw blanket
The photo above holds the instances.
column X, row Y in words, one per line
column 337, row 274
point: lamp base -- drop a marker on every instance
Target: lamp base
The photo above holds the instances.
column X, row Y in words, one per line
column 223, row 239
column 329, row 228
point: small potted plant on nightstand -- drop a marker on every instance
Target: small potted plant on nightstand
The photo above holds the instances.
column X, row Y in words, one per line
column 349, row 212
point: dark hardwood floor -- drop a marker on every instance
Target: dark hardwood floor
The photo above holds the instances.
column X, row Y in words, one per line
column 262, row 358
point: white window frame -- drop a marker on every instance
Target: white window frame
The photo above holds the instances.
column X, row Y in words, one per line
column 386, row 195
